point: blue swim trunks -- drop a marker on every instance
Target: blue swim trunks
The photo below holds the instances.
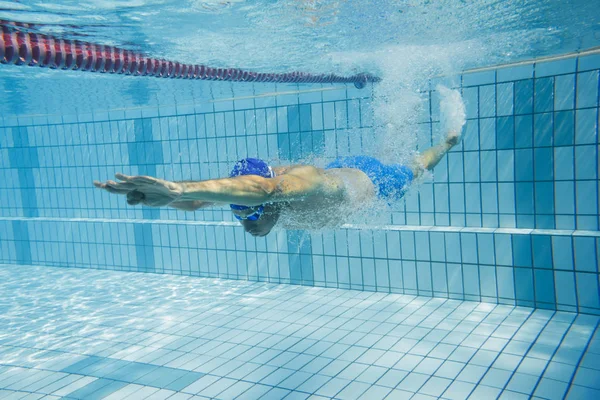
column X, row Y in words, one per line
column 391, row 181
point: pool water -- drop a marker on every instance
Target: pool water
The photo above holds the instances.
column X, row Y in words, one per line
column 482, row 283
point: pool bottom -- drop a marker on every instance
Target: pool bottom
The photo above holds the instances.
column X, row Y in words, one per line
column 90, row 334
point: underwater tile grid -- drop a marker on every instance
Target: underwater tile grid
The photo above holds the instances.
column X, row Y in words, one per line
column 511, row 216
column 90, row 334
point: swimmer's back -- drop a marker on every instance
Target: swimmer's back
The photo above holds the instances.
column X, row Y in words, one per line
column 342, row 191
column 333, row 183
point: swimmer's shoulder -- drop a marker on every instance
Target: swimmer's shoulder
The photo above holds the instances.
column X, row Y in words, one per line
column 296, row 169
column 308, row 174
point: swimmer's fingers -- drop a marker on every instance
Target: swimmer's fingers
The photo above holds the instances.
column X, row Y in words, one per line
column 137, row 180
column 150, row 184
column 106, row 187
column 115, row 187
column 134, row 197
column 101, row 185
column 120, row 187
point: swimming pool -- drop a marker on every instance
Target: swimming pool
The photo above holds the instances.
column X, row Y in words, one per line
column 482, row 282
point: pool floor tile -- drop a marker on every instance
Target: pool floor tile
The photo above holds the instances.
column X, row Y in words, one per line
column 236, row 339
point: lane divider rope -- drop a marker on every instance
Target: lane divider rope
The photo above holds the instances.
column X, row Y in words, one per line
column 19, row 46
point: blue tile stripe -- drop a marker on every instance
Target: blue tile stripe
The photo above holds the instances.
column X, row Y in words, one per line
column 115, row 373
column 24, row 158
column 145, row 153
column 291, row 148
column 144, row 247
column 22, row 242
column 96, row 390
column 300, row 258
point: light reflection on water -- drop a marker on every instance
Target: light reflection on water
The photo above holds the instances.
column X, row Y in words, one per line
column 49, row 305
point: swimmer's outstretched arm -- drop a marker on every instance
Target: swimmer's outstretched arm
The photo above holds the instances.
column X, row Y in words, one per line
column 247, row 190
column 253, row 190
column 151, row 194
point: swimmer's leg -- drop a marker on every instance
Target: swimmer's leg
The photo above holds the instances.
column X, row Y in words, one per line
column 452, row 118
column 431, row 157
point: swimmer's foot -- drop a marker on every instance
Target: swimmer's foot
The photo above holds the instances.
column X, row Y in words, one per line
column 452, row 118
column 452, row 139
column 452, row 114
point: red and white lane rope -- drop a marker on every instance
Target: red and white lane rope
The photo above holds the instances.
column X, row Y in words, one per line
column 20, row 47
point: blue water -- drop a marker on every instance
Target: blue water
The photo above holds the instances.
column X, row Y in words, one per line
column 482, row 283
column 405, row 42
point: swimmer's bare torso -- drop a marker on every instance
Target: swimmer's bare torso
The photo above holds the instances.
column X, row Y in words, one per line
column 343, row 190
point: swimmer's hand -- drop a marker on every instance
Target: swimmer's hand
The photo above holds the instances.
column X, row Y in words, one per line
column 147, row 190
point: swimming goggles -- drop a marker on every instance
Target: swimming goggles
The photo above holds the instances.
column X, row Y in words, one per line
column 251, row 217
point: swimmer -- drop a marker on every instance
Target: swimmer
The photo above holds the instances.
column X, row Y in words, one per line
column 259, row 194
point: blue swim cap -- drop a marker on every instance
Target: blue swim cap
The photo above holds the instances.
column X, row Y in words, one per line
column 251, row 166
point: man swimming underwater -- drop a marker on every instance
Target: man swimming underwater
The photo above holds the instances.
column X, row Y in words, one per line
column 259, row 194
